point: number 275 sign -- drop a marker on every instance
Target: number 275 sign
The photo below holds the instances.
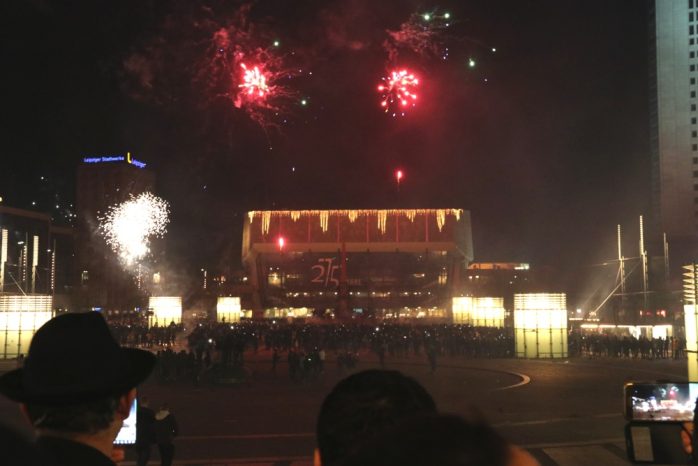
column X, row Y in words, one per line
column 324, row 272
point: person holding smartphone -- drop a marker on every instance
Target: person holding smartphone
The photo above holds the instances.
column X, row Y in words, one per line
column 166, row 429
column 76, row 388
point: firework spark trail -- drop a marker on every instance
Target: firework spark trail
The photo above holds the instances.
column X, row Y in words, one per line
column 422, row 34
column 399, row 91
column 261, row 90
column 205, row 50
column 254, row 78
column 129, row 227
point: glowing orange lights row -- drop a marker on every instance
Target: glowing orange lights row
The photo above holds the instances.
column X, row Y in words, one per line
column 324, row 215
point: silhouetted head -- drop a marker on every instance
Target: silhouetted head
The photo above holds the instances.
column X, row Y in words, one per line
column 363, row 406
column 434, row 440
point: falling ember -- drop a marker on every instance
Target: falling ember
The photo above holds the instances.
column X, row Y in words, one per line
column 398, row 91
column 129, row 227
column 254, row 82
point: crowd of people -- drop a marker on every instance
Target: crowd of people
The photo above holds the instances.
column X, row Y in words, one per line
column 395, row 340
column 304, row 347
column 138, row 334
column 608, row 345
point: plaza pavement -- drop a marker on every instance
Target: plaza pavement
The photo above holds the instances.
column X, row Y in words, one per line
column 566, row 413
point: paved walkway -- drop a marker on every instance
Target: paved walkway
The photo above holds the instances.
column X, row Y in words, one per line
column 611, row 453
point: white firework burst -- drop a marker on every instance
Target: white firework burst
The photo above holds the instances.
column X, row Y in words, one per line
column 129, row 227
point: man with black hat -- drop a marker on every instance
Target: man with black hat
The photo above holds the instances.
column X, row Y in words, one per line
column 76, row 388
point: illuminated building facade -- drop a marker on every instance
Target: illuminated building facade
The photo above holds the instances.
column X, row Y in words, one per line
column 501, row 279
column 165, row 310
column 228, row 309
column 351, row 263
column 101, row 183
column 690, row 299
column 674, row 118
column 20, row 317
column 479, row 311
column 36, row 256
column 540, row 325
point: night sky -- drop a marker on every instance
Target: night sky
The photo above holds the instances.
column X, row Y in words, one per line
column 545, row 141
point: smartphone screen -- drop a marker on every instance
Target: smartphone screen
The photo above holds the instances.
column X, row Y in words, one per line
column 127, row 434
column 662, row 402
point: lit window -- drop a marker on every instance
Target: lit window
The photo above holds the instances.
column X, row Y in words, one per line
column 274, row 279
column 443, row 277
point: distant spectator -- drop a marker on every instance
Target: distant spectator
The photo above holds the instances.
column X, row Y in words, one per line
column 165, row 429
column 145, row 437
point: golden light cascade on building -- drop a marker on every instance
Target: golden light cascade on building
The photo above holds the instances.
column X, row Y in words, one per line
column 441, row 215
column 324, row 220
column 440, row 219
column 382, row 220
column 266, row 221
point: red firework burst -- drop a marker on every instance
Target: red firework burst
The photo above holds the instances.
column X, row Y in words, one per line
column 254, row 82
column 398, row 91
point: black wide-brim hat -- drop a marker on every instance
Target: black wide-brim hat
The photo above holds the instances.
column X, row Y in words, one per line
column 73, row 358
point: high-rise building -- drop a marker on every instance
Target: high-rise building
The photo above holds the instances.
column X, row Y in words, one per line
column 103, row 182
column 36, row 256
column 674, row 118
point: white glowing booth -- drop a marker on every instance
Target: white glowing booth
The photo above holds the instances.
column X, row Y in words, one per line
column 480, row 312
column 540, row 324
column 166, row 309
column 20, row 317
column 228, row 309
column 690, row 312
